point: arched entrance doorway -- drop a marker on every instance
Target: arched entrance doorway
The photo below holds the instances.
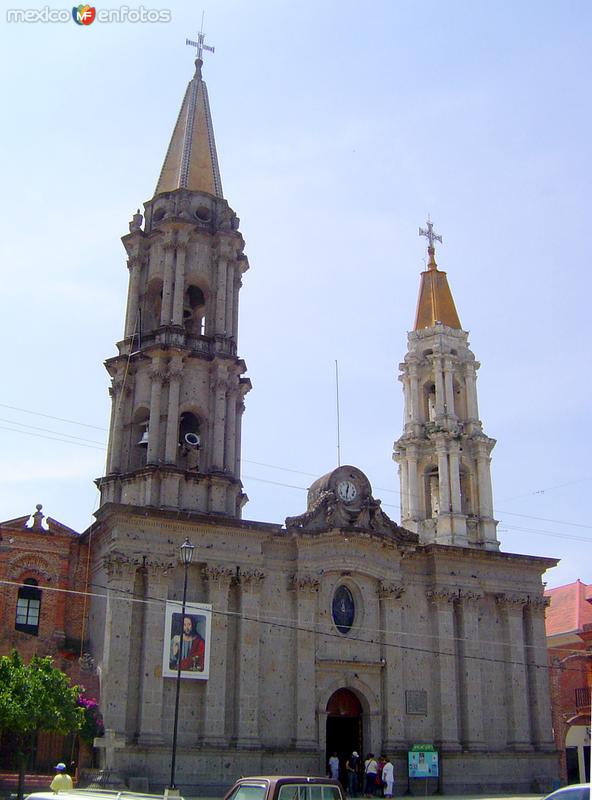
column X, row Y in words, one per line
column 344, row 728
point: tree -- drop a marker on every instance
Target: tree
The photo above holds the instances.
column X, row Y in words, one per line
column 35, row 697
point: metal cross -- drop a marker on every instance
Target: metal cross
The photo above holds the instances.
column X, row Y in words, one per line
column 199, row 45
column 430, row 234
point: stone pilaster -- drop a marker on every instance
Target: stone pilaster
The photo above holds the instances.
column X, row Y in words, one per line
column 219, row 580
column 306, row 588
column 157, row 376
column 538, row 674
column 179, row 293
column 220, row 387
column 439, row 384
column 516, row 681
column 116, row 432
column 151, row 690
column 393, row 689
column 221, row 296
column 169, row 277
column 230, row 440
column 133, row 298
column 470, row 652
column 175, row 375
column 445, row 674
column 248, row 657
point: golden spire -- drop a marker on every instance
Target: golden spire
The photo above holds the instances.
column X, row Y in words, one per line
column 435, row 303
column 191, row 161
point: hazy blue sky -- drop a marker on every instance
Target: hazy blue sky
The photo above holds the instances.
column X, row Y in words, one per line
column 339, row 127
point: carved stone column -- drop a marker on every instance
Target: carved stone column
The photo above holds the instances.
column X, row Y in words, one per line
column 393, row 689
column 220, row 321
column 445, row 676
column 228, row 316
column 151, row 658
column 172, row 430
column 179, row 293
column 306, row 588
column 448, row 389
column 133, row 298
column 157, row 376
column 412, row 457
column 219, row 580
column 220, row 386
column 443, row 478
column 439, row 384
column 470, row 651
column 538, row 674
column 115, row 438
column 455, row 497
column 120, row 571
column 248, row 657
column 167, row 284
column 230, row 442
column 415, row 410
column 516, row 682
column 471, row 389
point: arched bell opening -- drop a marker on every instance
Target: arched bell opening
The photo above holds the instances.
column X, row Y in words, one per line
column 189, row 440
column 194, row 311
column 139, row 439
column 345, row 728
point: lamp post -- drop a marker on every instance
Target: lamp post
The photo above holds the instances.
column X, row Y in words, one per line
column 186, row 554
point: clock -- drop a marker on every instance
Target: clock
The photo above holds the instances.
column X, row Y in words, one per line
column 347, row 491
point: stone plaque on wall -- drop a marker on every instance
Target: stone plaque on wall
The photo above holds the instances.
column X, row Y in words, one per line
column 416, row 701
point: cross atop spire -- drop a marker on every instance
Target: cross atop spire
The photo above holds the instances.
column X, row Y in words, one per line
column 199, row 45
column 432, row 237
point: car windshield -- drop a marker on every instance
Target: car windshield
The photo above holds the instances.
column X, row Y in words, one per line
column 249, row 791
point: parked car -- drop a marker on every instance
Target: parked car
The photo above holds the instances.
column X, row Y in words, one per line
column 575, row 791
column 285, row 787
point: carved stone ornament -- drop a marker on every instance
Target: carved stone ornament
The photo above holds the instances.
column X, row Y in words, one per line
column 511, row 600
column 390, row 591
column 539, row 603
column 444, row 595
column 118, row 565
column 30, row 563
column 219, row 573
column 305, row 582
column 252, row 576
column 471, row 597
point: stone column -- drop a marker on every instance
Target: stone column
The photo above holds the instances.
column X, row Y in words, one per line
column 404, row 489
column 167, row 285
column 470, row 651
column 236, row 289
column 516, row 683
column 219, row 580
column 116, row 433
column 471, row 389
column 445, row 675
column 443, row 478
column 484, row 481
column 415, row 415
column 538, row 674
column 151, row 691
column 439, row 384
column 413, row 482
column 448, row 389
column 172, row 425
column 133, row 296
column 306, row 588
column 157, row 377
column 220, row 387
column 237, row 438
column 455, row 496
column 120, row 573
column 248, row 658
column 230, row 441
column 229, row 299
column 393, row 689
column 220, row 322
column 179, row 293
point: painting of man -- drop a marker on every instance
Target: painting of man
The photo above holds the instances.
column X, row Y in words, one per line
column 187, row 640
column 188, row 646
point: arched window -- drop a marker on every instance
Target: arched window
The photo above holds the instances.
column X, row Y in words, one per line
column 28, row 607
column 152, row 306
column 194, row 311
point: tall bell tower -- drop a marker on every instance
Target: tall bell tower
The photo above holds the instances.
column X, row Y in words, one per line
column 178, row 385
column 443, row 454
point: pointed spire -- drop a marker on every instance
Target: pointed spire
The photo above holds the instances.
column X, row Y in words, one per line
column 435, row 303
column 191, row 161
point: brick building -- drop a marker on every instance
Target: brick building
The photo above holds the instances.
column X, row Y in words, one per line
column 569, row 635
column 42, row 561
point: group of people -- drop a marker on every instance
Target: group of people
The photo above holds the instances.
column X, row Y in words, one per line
column 376, row 776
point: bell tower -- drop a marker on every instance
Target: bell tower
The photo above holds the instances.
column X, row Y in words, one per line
column 178, row 385
column 443, row 455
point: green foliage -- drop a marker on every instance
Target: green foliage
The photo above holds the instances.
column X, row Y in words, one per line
column 37, row 697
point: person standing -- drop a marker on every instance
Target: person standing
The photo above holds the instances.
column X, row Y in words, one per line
column 62, row 781
column 370, row 773
column 352, row 766
column 334, row 767
column 388, row 777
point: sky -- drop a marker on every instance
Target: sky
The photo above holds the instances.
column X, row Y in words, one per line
column 339, row 127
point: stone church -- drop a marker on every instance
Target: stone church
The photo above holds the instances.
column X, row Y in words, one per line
column 339, row 629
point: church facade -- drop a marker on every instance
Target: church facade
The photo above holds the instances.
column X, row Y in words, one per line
column 338, row 630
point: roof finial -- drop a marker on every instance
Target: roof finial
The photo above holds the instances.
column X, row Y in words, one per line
column 199, row 46
column 432, row 237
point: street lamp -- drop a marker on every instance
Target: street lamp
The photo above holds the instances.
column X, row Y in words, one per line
column 186, row 554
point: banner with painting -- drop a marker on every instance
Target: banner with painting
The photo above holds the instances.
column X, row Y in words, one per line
column 187, row 639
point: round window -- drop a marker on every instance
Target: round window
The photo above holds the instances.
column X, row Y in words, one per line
column 344, row 609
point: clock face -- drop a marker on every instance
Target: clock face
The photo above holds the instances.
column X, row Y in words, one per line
column 347, row 491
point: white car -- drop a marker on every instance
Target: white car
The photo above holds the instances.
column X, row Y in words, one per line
column 575, row 791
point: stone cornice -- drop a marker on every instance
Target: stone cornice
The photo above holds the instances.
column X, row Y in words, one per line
column 442, row 595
